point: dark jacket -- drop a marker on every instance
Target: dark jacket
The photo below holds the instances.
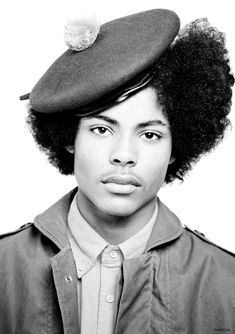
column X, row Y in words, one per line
column 182, row 284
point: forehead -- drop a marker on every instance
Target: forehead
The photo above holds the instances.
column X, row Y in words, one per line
column 141, row 107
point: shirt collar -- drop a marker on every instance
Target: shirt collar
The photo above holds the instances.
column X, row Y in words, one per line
column 87, row 244
column 88, row 240
column 92, row 244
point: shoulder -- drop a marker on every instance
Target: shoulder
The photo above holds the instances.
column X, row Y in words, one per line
column 22, row 246
column 207, row 255
column 14, row 236
column 11, row 233
column 201, row 266
column 13, row 244
column 204, row 242
column 200, row 255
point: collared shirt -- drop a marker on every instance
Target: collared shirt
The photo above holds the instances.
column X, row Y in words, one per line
column 98, row 267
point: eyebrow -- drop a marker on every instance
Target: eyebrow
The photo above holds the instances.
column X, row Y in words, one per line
column 139, row 126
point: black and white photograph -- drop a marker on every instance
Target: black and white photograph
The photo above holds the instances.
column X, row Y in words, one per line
column 117, row 167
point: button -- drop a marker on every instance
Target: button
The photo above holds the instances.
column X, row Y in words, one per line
column 68, row 279
column 113, row 254
column 110, row 298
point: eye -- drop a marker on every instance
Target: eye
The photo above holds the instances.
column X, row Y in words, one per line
column 151, row 136
column 101, row 131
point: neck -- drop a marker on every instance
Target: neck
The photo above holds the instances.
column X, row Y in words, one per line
column 115, row 229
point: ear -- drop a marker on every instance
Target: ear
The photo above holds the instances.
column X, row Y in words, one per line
column 172, row 159
column 70, row 149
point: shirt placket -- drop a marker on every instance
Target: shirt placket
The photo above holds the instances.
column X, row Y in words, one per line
column 111, row 260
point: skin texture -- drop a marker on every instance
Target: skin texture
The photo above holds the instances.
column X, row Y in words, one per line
column 102, row 149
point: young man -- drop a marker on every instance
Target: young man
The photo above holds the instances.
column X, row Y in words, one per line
column 125, row 115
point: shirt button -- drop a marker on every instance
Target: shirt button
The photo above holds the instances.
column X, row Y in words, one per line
column 110, row 298
column 68, row 279
column 113, row 254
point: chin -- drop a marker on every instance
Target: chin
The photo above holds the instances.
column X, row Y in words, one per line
column 118, row 208
column 119, row 213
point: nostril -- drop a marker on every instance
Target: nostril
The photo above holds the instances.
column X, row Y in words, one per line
column 123, row 162
column 116, row 161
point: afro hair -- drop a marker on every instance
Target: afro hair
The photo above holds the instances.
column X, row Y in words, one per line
column 193, row 83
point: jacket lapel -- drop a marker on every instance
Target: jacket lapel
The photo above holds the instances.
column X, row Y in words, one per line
column 65, row 278
column 53, row 222
column 167, row 228
column 134, row 312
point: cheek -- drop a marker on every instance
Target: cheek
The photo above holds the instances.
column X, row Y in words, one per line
column 87, row 163
column 155, row 170
column 82, row 165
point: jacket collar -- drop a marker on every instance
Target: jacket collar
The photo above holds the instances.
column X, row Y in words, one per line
column 167, row 227
column 53, row 223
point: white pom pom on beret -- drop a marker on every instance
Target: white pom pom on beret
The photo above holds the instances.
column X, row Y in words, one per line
column 82, row 32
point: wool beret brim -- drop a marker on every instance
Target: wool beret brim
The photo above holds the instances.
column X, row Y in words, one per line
column 125, row 49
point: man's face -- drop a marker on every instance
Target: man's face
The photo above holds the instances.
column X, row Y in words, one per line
column 122, row 154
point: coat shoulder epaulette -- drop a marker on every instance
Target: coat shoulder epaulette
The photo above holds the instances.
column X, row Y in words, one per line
column 22, row 228
column 202, row 236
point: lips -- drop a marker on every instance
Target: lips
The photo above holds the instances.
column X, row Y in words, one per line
column 122, row 179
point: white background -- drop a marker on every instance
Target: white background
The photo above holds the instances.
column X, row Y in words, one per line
column 31, row 39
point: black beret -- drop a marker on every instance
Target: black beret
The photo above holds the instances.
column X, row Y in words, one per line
column 123, row 53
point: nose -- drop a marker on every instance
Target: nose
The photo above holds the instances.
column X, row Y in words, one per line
column 124, row 154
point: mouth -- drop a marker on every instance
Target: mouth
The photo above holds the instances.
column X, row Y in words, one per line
column 121, row 184
column 122, row 180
